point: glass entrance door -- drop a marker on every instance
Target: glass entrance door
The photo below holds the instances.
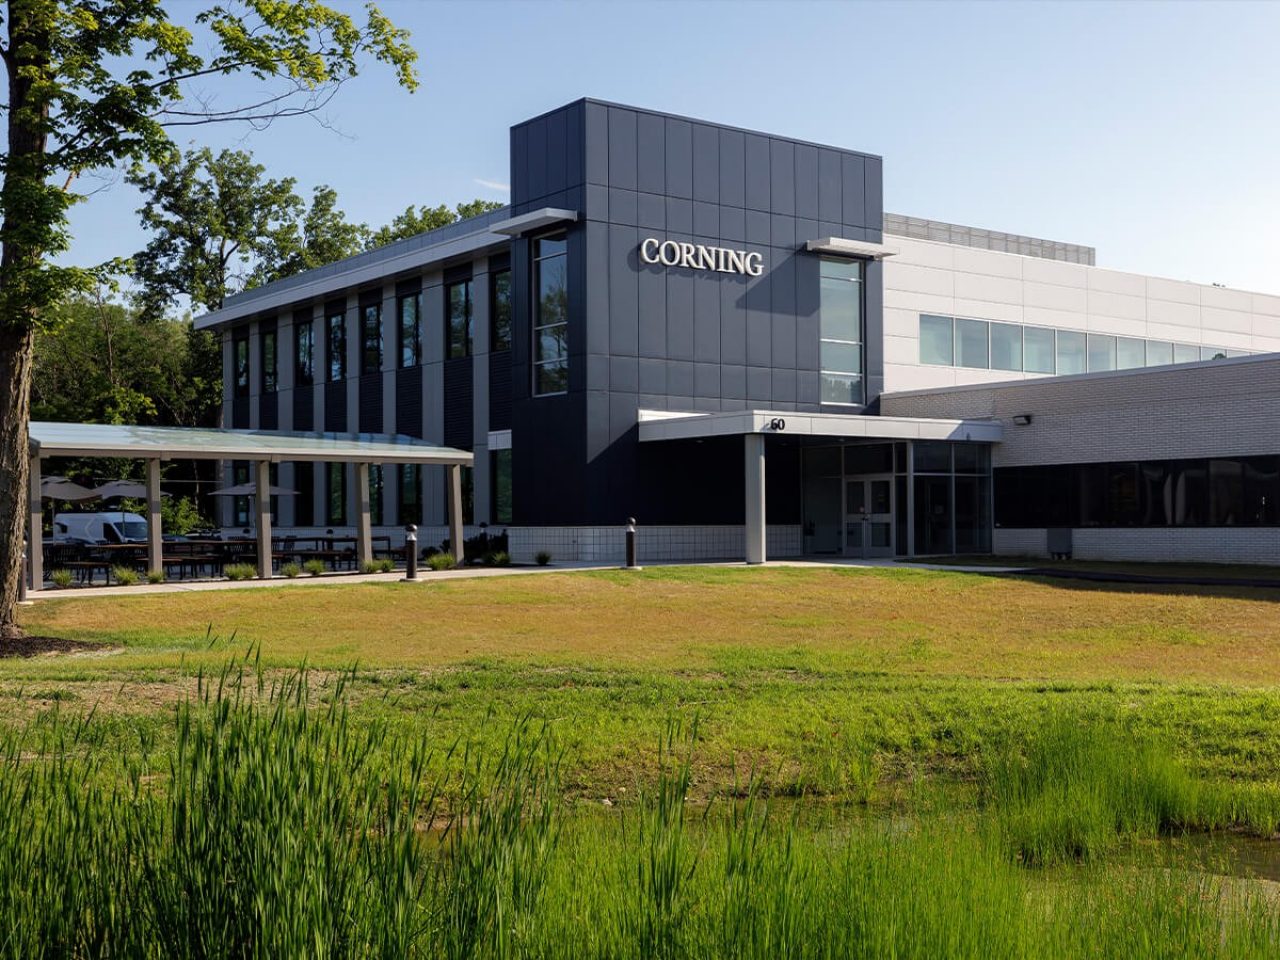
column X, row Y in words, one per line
column 868, row 517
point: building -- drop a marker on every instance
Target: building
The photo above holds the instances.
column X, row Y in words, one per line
column 722, row 334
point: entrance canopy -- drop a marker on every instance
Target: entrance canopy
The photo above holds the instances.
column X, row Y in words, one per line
column 755, row 425
column 262, row 447
column 671, row 425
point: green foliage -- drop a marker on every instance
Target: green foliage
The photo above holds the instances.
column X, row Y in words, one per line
column 314, row 567
column 78, row 110
column 102, row 362
column 542, row 557
column 384, row 565
column 323, row 235
column 415, row 220
column 441, row 561
column 155, row 576
column 309, row 833
column 1077, row 790
column 499, row 558
column 290, row 569
column 213, row 219
column 240, row 571
column 124, row 576
column 61, row 578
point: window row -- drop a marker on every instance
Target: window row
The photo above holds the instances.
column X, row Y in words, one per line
column 1217, row 492
column 333, row 329
column 991, row 345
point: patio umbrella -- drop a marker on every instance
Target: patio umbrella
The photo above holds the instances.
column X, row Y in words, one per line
column 131, row 489
column 60, row 488
column 249, row 489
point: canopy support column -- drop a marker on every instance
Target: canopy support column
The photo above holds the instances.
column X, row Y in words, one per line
column 753, row 444
column 455, row 513
column 262, row 480
column 155, row 534
column 910, row 505
column 364, row 517
column 35, row 528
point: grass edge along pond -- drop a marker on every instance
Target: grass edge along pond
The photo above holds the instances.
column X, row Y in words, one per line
column 278, row 827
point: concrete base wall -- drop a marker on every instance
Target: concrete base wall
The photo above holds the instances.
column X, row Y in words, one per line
column 608, row 544
column 1153, row 544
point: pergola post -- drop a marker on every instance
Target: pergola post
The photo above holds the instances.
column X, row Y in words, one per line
column 455, row 512
column 35, row 528
column 155, row 535
column 262, row 478
column 364, row 517
column 753, row 444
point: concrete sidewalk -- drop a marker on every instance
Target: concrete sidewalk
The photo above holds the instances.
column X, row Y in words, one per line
column 466, row 573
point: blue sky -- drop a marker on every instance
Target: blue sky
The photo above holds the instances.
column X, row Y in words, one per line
column 1148, row 130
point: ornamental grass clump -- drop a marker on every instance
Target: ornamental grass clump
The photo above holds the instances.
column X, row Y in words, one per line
column 441, row 561
column 124, row 576
column 314, row 567
column 1077, row 789
column 240, row 571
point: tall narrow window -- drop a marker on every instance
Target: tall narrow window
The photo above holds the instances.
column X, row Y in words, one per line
column 270, row 378
column 304, row 352
column 240, row 476
column 841, row 331
column 337, row 324
column 337, row 506
column 371, row 338
column 410, row 486
column 550, row 315
column 457, row 327
column 500, row 311
column 240, row 348
column 409, row 307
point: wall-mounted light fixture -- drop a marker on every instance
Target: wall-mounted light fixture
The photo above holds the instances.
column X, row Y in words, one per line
column 1022, row 419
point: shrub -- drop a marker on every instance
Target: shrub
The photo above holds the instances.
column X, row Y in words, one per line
column 441, row 561
column 499, row 558
column 387, row 565
column 241, row 571
column 543, row 558
column 314, row 567
column 290, row 569
column 61, row 578
column 155, row 576
column 124, row 576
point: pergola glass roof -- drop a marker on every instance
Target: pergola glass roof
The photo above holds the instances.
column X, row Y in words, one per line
column 114, row 440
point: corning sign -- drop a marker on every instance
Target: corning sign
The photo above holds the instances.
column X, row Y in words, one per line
column 695, row 256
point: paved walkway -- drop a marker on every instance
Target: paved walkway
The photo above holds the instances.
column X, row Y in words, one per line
column 464, row 573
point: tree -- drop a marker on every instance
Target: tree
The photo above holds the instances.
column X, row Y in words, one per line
column 324, row 235
column 93, row 84
column 417, row 220
column 213, row 218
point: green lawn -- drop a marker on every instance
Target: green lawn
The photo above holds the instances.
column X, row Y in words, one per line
column 824, row 680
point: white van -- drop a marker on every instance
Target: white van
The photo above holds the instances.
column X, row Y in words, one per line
column 112, row 526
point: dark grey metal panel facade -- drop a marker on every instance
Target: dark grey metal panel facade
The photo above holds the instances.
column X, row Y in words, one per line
column 409, row 401
column 335, row 407
column 649, row 336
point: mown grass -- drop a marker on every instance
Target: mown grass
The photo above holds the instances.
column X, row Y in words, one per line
column 279, row 827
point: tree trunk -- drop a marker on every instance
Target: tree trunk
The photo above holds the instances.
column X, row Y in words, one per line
column 16, row 341
column 26, row 61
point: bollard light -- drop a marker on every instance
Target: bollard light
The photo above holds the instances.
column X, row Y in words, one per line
column 411, row 552
column 631, row 544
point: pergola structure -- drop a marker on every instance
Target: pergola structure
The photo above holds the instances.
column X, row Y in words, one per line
column 262, row 447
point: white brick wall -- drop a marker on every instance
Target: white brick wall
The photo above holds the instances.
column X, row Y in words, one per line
column 654, row 543
column 1216, row 408
column 1163, row 544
